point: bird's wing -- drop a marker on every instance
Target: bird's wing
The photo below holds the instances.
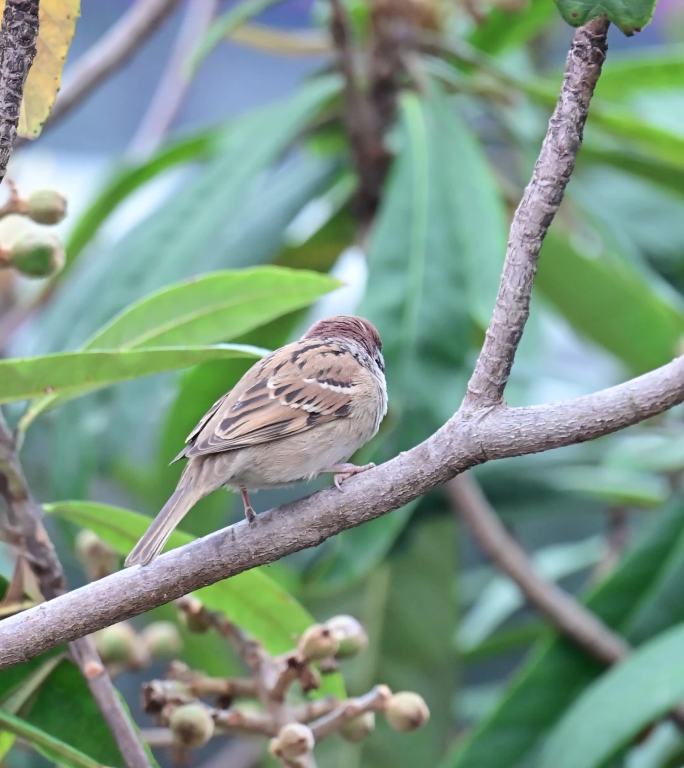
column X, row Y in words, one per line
column 292, row 390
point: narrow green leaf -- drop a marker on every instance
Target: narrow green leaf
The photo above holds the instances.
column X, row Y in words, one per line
column 212, row 308
column 607, row 300
column 415, row 633
column 615, row 485
column 226, row 24
column 501, row 598
column 647, row 69
column 48, row 745
column 503, row 29
column 629, row 15
column 251, row 599
column 667, row 174
column 619, row 705
column 73, row 373
column 64, row 708
column 16, row 699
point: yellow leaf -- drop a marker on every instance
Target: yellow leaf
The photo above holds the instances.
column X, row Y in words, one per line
column 57, row 24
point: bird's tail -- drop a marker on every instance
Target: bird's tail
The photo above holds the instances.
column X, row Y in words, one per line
column 186, row 495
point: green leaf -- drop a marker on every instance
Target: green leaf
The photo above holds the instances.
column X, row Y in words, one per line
column 501, row 598
column 226, row 24
column 476, row 209
column 648, row 451
column 66, row 709
column 619, row 705
column 661, row 66
column 615, row 485
column 611, row 303
column 666, row 174
column 51, row 747
column 503, row 29
column 72, row 373
column 557, row 671
column 212, row 308
column 251, row 599
column 415, row 651
column 51, row 695
column 629, row 15
column 127, row 181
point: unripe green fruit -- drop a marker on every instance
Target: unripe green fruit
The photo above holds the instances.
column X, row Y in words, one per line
column 191, row 725
column 36, row 254
column 117, row 644
column 162, row 639
column 350, row 635
column 359, row 727
column 406, row 711
column 46, row 206
column 317, row 643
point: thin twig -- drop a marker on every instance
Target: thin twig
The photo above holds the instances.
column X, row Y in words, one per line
column 569, row 616
column 540, row 201
column 361, row 121
column 24, row 519
column 373, row 701
column 108, row 54
column 18, row 38
column 173, row 86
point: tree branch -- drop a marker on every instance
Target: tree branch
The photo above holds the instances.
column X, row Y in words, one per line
column 108, row 54
column 173, row 85
column 569, row 616
column 565, row 613
column 23, row 524
column 466, row 440
column 18, row 38
column 539, row 204
column 483, row 429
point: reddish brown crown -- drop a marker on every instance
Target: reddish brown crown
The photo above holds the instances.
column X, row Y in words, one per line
column 359, row 329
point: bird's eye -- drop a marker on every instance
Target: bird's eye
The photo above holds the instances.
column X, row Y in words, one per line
column 380, row 361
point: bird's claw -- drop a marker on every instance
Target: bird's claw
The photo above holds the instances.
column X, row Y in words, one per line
column 348, row 472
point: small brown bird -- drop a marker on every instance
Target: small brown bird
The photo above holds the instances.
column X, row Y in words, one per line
column 299, row 412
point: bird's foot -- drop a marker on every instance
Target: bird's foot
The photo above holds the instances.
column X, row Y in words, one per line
column 345, row 471
column 250, row 514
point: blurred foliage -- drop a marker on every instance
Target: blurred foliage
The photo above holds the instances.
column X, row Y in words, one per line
column 252, row 227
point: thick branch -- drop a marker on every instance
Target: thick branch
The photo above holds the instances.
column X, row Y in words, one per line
column 23, row 524
column 569, row 616
column 109, row 53
column 18, row 38
column 541, row 200
column 466, row 440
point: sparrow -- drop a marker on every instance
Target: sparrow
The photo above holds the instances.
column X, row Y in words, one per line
column 299, row 412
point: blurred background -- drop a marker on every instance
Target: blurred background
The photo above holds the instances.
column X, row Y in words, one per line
column 222, row 142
